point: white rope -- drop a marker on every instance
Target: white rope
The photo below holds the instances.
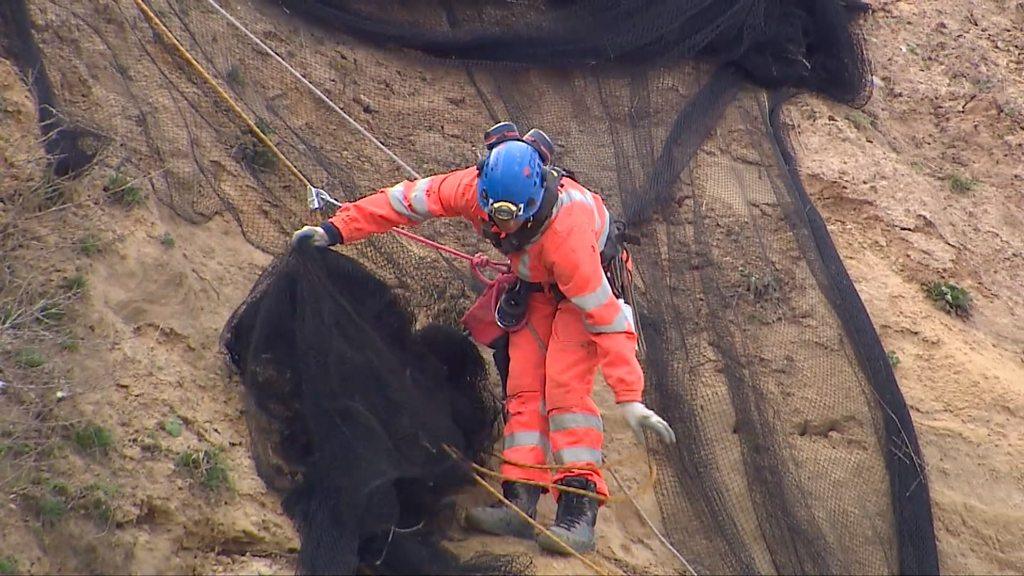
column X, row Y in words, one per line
column 416, row 175
column 316, row 91
column 651, row 524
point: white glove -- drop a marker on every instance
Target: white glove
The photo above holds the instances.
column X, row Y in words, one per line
column 314, row 234
column 640, row 417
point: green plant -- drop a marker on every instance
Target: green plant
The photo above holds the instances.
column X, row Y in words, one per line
column 950, row 297
column 167, row 240
column 235, row 77
column 52, row 508
column 894, row 359
column 173, row 426
column 264, row 126
column 30, row 358
column 9, row 565
column 762, row 286
column 89, row 244
column 860, row 120
column 961, row 184
column 95, row 499
column 69, row 343
column 93, row 438
column 51, row 312
column 251, row 150
column 76, row 284
column 16, row 449
column 207, row 466
column 121, row 189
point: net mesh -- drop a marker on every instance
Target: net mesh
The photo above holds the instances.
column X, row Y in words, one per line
column 359, row 455
column 797, row 453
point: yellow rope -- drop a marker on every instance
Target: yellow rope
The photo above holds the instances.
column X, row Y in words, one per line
column 494, row 492
column 644, row 488
column 169, row 37
column 559, row 487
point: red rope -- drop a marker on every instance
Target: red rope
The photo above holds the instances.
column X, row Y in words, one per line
column 477, row 263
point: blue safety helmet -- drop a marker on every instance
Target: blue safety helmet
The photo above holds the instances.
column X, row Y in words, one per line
column 511, row 182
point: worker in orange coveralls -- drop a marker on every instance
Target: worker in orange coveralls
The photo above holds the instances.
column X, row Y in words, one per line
column 554, row 232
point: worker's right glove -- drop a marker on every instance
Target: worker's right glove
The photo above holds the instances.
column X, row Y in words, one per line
column 640, row 417
column 314, row 234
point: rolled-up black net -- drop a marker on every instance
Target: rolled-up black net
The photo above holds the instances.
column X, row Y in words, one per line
column 797, row 453
column 351, row 409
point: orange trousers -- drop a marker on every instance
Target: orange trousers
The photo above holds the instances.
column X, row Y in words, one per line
column 548, row 405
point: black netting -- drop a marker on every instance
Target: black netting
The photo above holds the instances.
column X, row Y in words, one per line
column 70, row 147
column 353, row 408
column 775, row 42
column 797, row 453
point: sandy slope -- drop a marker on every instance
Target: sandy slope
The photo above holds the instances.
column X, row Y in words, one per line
column 153, row 315
column 948, row 100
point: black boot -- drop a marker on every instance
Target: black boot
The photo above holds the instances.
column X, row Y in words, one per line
column 499, row 519
column 575, row 520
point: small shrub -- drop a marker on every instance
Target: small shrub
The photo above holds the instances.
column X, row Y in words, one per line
column 16, row 449
column 860, row 120
column 52, row 509
column 95, row 500
column 173, row 426
column 51, row 312
column 76, row 284
column 206, row 466
column 121, row 189
column 69, row 343
column 894, row 359
column 961, row 184
column 253, row 153
column 89, row 244
column 762, row 286
column 167, row 240
column 235, row 77
column 94, row 438
column 264, row 126
column 950, row 297
column 9, row 565
column 30, row 359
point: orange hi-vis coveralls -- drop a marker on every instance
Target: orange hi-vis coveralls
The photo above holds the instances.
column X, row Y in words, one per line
column 554, row 359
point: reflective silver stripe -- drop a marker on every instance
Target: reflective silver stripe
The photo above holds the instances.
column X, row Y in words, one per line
column 592, row 300
column 418, row 199
column 524, row 267
column 580, row 196
column 603, row 238
column 396, row 195
column 517, row 439
column 560, row 422
column 567, row 455
column 622, row 323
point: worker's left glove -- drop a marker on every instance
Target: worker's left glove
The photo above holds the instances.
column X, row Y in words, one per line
column 640, row 417
column 314, row 234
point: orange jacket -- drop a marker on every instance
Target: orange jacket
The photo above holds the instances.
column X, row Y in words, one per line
column 566, row 253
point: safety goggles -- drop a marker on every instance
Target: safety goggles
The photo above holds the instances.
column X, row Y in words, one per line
column 503, row 210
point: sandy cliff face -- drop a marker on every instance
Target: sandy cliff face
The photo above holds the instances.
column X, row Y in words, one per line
column 948, row 112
